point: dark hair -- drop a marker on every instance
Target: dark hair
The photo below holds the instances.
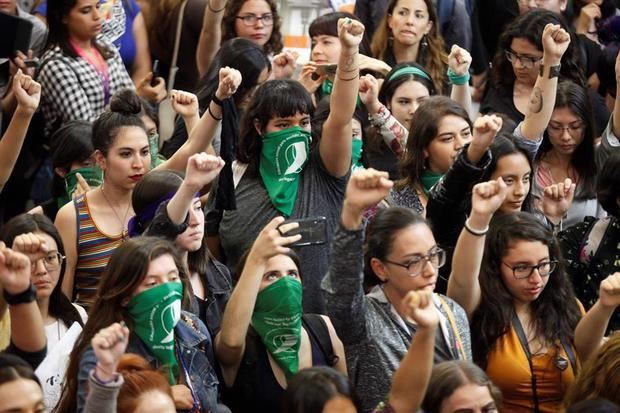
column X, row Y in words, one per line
column 275, row 98
column 530, row 26
column 125, row 110
column 59, row 306
column 600, row 376
column 14, row 368
column 608, row 185
column 73, row 142
column 555, row 312
column 240, row 54
column 125, row 271
column 593, row 406
column 424, row 129
column 506, row 144
column 274, row 45
column 327, row 25
column 433, row 56
column 152, row 188
column 311, row 388
column 575, row 97
column 380, row 236
column 449, row 376
column 139, row 378
column 244, row 258
column 58, row 35
column 322, row 111
column 390, row 84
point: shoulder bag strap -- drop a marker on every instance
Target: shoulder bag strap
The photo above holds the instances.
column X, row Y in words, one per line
column 568, row 348
column 318, row 331
column 516, row 323
column 455, row 330
column 177, row 43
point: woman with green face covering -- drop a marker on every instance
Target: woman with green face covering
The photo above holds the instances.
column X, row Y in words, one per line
column 144, row 286
column 265, row 339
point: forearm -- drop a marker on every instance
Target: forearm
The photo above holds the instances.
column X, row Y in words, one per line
column 391, row 131
column 542, row 102
column 210, row 35
column 463, row 284
column 616, row 114
column 11, row 143
column 191, row 122
column 27, row 331
column 411, row 379
column 461, row 94
column 179, row 205
column 591, row 330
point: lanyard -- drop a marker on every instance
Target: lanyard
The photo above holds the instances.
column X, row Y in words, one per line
column 96, row 61
column 195, row 405
column 526, row 349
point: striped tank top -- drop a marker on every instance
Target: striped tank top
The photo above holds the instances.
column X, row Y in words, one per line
column 94, row 249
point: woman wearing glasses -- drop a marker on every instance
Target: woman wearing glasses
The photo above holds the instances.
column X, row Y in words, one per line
column 529, row 332
column 255, row 20
column 25, row 233
column 400, row 255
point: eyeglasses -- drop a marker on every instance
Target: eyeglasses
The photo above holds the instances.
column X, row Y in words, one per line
column 527, row 62
column 574, row 129
column 522, row 271
column 51, row 262
column 437, row 258
column 251, row 19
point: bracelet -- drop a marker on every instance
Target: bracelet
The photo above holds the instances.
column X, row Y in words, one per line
column 217, row 101
column 104, row 382
column 458, row 80
column 25, row 297
column 554, row 71
column 346, row 80
column 350, row 70
column 475, row 232
column 212, row 115
column 215, row 11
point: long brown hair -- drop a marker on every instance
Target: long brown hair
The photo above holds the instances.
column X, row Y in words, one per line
column 600, row 377
column 160, row 20
column 432, row 57
column 274, row 44
column 126, row 270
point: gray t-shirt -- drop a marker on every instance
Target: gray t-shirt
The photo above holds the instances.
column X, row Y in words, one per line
column 319, row 194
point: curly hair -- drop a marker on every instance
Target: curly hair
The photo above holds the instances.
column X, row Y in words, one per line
column 530, row 26
column 432, row 57
column 274, row 44
column 555, row 312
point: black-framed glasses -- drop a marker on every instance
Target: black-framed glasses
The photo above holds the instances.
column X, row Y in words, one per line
column 437, row 258
column 521, row 271
column 51, row 262
column 527, row 62
column 251, row 19
column 574, row 129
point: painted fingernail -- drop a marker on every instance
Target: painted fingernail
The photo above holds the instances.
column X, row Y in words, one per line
column 348, row 20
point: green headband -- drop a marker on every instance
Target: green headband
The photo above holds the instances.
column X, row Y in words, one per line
column 410, row 70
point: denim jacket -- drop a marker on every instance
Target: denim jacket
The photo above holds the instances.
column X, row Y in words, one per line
column 196, row 347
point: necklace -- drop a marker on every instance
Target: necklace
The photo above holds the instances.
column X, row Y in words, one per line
column 124, row 232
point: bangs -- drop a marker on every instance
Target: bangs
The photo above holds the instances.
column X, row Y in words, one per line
column 285, row 98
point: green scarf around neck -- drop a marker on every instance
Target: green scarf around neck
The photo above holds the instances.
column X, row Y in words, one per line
column 283, row 157
column 429, row 179
column 277, row 320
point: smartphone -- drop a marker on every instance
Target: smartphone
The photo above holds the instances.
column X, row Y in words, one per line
column 32, row 62
column 313, row 231
column 328, row 70
column 155, row 71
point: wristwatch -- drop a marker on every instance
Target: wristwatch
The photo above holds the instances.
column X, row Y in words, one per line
column 28, row 296
column 554, row 71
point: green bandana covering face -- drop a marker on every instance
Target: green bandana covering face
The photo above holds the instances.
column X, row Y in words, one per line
column 155, row 312
column 326, row 90
column 93, row 176
column 277, row 320
column 356, row 155
column 282, row 159
column 429, row 179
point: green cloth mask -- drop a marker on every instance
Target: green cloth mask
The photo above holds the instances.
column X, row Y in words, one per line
column 93, row 176
column 156, row 158
column 429, row 179
column 277, row 320
column 356, row 155
column 327, row 86
column 282, row 159
column 155, row 312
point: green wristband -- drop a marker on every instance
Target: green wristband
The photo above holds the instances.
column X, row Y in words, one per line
column 458, row 80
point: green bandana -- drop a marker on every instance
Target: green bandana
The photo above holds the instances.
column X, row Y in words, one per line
column 356, row 155
column 93, row 176
column 282, row 159
column 429, row 179
column 328, row 85
column 277, row 320
column 156, row 158
column 155, row 312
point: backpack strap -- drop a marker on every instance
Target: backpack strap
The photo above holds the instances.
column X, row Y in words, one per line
column 319, row 333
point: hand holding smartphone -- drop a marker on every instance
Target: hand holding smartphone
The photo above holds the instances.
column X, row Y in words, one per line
column 313, row 231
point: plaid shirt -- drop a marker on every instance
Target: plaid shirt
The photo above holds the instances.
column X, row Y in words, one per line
column 72, row 89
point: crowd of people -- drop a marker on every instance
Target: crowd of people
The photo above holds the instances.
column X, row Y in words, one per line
column 423, row 216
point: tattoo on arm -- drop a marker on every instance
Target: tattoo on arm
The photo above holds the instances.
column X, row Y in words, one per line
column 536, row 101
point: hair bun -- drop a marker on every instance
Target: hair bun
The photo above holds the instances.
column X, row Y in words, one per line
column 126, row 102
